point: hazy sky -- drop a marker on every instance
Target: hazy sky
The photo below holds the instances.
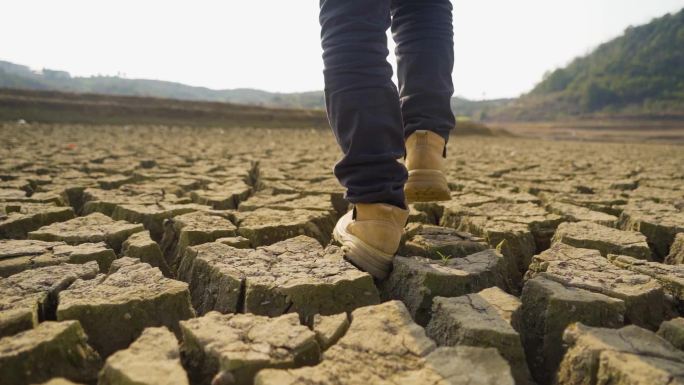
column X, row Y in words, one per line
column 503, row 47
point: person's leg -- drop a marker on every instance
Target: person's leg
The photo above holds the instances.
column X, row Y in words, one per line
column 361, row 100
column 363, row 109
column 423, row 32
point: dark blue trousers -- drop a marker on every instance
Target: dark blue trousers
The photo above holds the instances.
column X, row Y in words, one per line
column 369, row 117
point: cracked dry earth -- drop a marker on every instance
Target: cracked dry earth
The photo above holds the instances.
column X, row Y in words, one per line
column 157, row 255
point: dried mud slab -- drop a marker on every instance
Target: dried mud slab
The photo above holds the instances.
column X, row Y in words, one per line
column 506, row 228
column 226, row 196
column 106, row 201
column 676, row 255
column 237, row 346
column 432, row 210
column 607, row 202
column 478, row 220
column 152, row 359
column 17, row 220
column 52, row 349
column 152, row 216
column 659, row 222
column 416, row 280
column 452, row 208
column 95, row 227
column 296, row 275
column 507, row 306
column 12, row 194
column 659, row 194
column 71, row 186
column 416, row 216
column 25, row 254
column 192, row 229
column 671, row 277
column 606, row 240
column 31, row 296
column 114, row 309
column 384, row 346
column 329, row 328
column 624, row 184
column 471, row 320
column 141, row 246
column 121, row 262
column 267, row 226
column 626, row 356
column 673, row 332
column 267, row 198
column 327, row 186
column 576, row 213
column 320, row 202
column 547, row 309
column 586, row 269
column 503, row 195
column 239, row 242
column 116, row 181
column 438, row 242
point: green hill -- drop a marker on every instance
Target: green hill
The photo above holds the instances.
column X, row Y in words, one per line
column 21, row 77
column 640, row 73
column 14, row 76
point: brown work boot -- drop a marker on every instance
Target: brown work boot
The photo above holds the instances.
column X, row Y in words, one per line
column 425, row 163
column 370, row 236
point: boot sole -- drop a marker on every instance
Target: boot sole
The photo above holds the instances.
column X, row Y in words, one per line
column 364, row 256
column 426, row 186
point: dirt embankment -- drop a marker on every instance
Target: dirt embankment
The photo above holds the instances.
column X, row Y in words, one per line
column 61, row 107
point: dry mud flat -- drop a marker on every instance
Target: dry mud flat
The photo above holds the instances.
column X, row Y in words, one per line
column 159, row 255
